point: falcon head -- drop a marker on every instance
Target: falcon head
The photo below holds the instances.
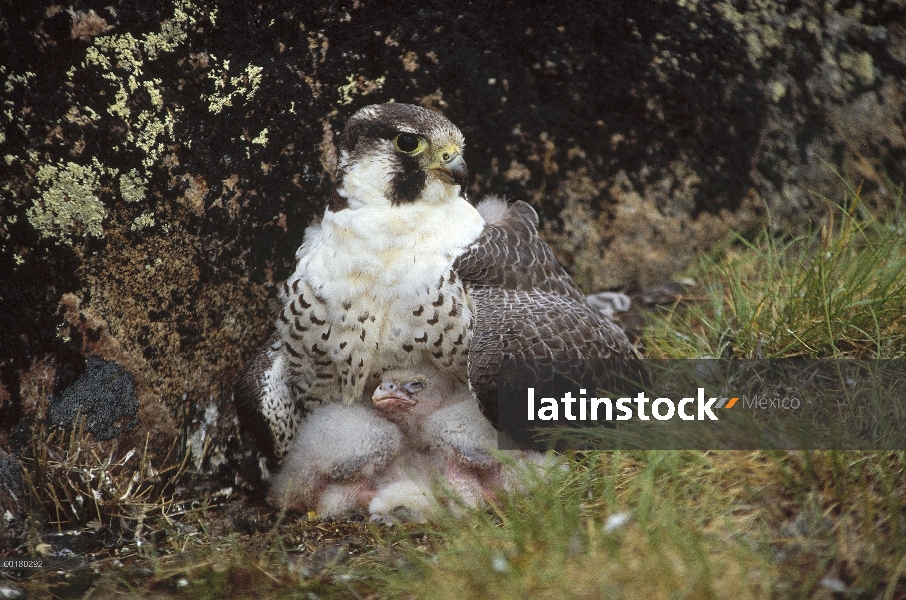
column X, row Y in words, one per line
column 393, row 154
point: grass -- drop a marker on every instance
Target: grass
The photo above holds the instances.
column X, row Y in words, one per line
column 639, row 524
column 839, row 291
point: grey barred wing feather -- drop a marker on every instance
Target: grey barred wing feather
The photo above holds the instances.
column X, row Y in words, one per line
column 265, row 404
column 265, row 401
column 526, row 305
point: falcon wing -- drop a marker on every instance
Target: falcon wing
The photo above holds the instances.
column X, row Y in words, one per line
column 526, row 305
column 265, row 405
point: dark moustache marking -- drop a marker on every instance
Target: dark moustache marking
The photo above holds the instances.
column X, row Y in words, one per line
column 406, row 187
column 364, row 133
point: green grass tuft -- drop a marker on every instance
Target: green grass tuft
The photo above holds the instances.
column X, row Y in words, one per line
column 839, row 291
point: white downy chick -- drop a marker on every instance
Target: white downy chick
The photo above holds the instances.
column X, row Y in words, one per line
column 336, row 453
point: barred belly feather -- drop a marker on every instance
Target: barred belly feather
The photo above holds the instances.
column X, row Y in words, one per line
column 374, row 290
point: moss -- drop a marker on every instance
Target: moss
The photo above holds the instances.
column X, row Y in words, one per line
column 68, row 204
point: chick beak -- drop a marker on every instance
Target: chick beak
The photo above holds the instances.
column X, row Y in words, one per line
column 391, row 397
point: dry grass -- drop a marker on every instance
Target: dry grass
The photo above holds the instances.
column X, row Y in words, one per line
column 71, row 482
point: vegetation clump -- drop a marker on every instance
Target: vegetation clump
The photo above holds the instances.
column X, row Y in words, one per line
column 623, row 524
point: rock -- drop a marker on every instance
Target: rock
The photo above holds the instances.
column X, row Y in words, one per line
column 104, row 395
column 13, row 502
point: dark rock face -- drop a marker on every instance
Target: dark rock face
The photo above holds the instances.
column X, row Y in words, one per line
column 104, row 395
column 160, row 160
column 12, row 501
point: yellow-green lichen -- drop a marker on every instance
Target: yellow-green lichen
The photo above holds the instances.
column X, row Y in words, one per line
column 68, row 204
column 173, row 31
column 262, row 138
column 756, row 24
column 133, row 186
column 13, row 80
column 146, row 219
column 139, row 100
column 11, row 115
column 859, row 64
column 359, row 86
column 243, row 85
column 777, row 90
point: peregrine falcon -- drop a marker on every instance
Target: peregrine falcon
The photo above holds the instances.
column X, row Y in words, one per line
column 404, row 273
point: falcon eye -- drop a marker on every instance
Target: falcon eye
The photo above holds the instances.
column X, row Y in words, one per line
column 407, row 142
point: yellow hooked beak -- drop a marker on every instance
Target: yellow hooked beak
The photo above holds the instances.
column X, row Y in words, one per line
column 448, row 163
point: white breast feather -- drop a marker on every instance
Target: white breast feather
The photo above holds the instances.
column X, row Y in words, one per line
column 385, row 262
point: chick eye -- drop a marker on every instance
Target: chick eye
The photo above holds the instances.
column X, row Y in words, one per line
column 407, row 142
column 414, row 386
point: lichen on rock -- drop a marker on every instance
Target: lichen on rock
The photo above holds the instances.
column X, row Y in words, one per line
column 146, row 219
column 133, row 186
column 244, row 85
column 68, row 205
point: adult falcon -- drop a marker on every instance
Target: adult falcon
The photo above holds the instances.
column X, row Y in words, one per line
column 402, row 273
